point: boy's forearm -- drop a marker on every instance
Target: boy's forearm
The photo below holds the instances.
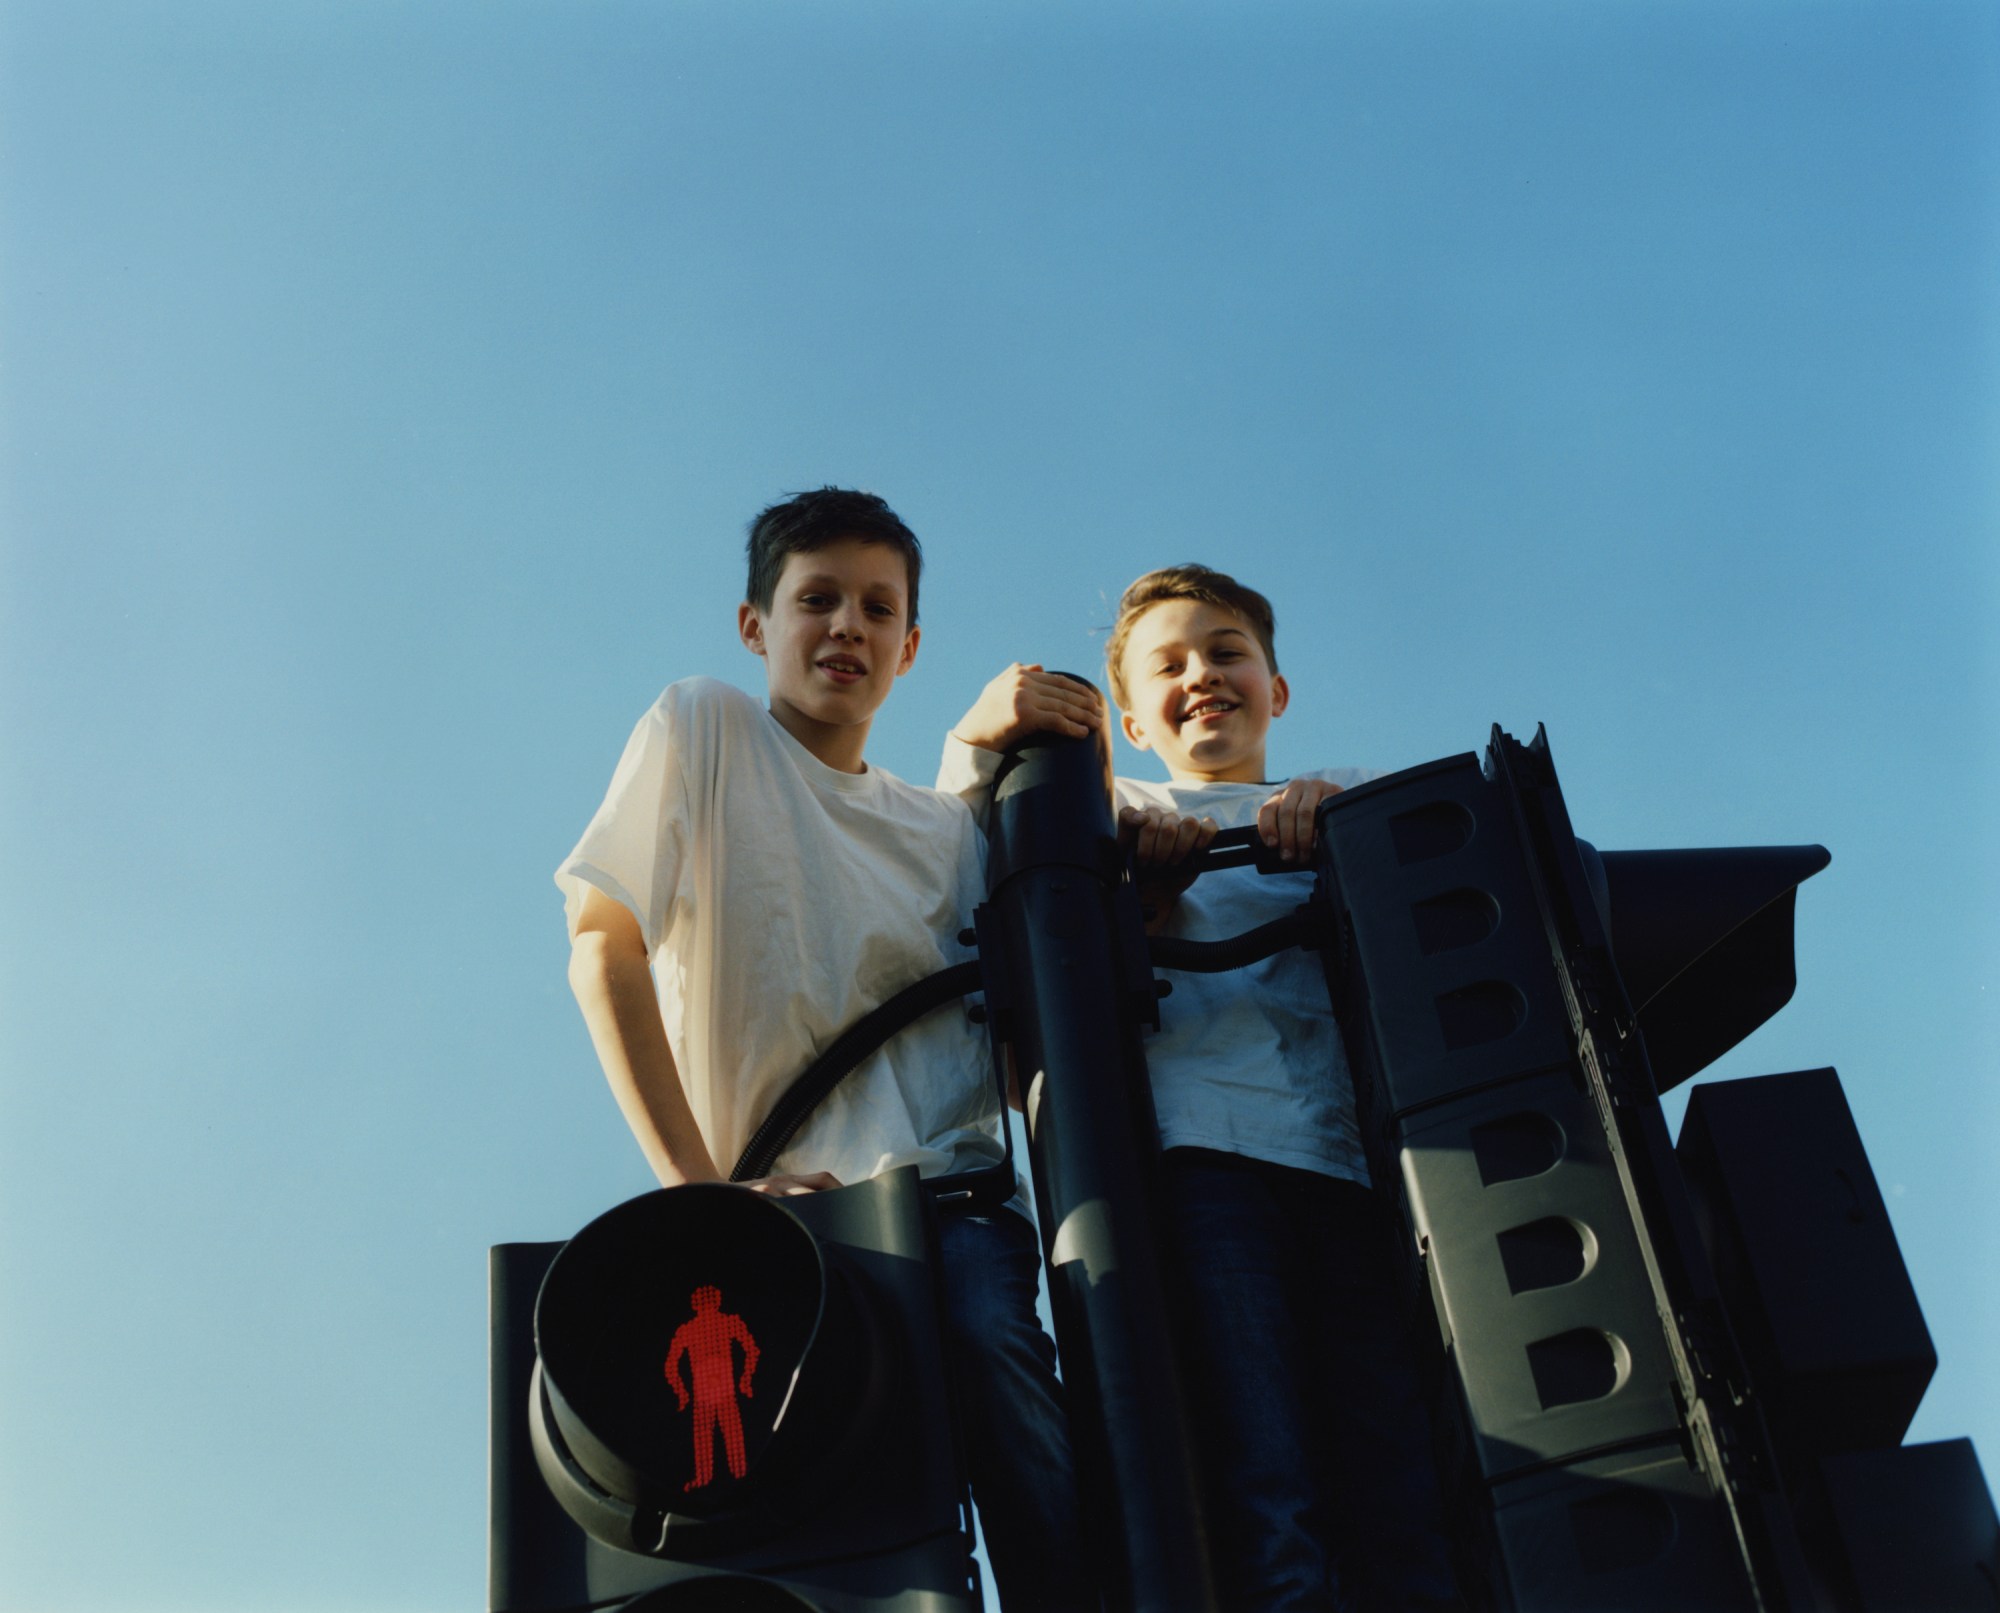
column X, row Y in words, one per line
column 614, row 988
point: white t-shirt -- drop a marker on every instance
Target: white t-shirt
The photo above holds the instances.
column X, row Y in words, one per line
column 780, row 900
column 1248, row 1061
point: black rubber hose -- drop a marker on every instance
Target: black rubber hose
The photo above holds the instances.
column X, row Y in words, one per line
column 847, row 1050
column 872, row 1029
column 1299, row 928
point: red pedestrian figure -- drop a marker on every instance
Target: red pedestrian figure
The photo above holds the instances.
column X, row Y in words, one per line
column 705, row 1341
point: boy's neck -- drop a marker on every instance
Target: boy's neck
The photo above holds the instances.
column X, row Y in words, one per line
column 1248, row 771
column 839, row 745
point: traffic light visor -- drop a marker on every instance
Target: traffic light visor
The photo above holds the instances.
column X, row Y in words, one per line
column 1703, row 943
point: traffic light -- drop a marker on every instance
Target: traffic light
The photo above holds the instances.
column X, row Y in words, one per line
column 1835, row 1343
column 1513, row 1002
column 715, row 1399
column 1806, row 1261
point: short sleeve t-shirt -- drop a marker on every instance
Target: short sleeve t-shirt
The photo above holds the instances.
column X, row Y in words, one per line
column 1248, row 1061
column 780, row 900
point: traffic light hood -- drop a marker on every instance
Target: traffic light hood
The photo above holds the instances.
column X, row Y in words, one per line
column 1703, row 942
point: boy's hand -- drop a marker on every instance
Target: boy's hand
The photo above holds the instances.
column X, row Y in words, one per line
column 1286, row 820
column 1158, row 838
column 1161, row 843
column 791, row 1187
column 1025, row 700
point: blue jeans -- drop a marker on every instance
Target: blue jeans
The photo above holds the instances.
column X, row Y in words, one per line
column 1017, row 1450
column 1301, row 1376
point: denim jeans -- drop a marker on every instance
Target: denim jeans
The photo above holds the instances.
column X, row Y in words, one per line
column 1300, row 1373
column 1017, row 1448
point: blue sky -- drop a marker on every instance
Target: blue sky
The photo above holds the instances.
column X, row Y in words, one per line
column 384, row 388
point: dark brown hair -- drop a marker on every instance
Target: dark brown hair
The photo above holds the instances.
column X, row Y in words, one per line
column 804, row 522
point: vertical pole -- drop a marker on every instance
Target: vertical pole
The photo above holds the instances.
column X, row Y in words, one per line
column 1067, row 981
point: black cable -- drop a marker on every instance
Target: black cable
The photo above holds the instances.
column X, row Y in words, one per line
column 847, row 1050
column 866, row 1034
column 1300, row 928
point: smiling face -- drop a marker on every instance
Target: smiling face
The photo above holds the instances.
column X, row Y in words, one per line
column 836, row 637
column 1201, row 692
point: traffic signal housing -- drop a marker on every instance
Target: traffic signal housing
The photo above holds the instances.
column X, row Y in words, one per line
column 1835, row 1343
column 715, row 1398
column 1513, row 1002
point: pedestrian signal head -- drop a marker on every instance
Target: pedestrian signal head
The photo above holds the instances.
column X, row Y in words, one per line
column 692, row 1349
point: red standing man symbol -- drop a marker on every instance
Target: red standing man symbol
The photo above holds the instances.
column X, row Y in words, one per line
column 705, row 1339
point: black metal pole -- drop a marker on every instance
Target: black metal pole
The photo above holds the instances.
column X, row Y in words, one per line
column 1068, row 980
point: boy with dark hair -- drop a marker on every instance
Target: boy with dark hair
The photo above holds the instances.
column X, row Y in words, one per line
column 1301, row 1370
column 749, row 888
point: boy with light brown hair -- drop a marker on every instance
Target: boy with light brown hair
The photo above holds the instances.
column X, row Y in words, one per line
column 1315, row 1441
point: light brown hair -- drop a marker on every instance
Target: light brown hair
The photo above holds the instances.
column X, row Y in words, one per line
column 1202, row 583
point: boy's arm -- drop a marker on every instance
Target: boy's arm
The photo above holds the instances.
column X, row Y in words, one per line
column 609, row 973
